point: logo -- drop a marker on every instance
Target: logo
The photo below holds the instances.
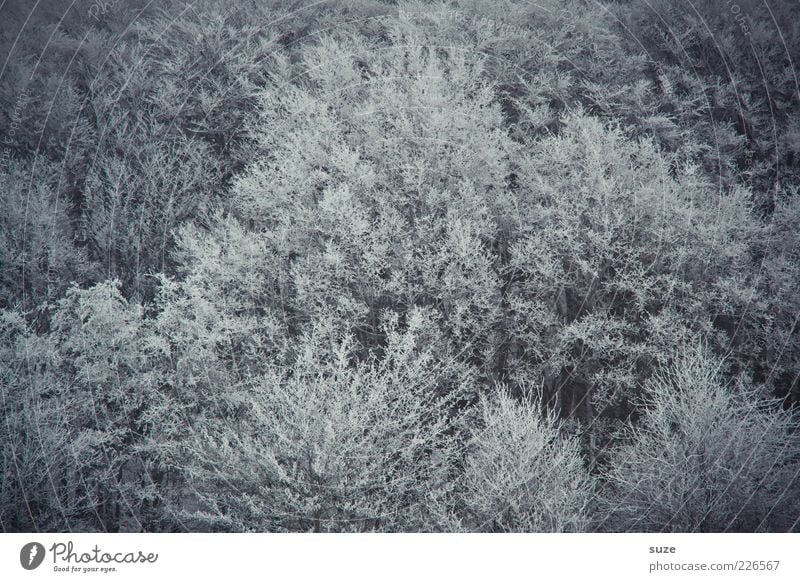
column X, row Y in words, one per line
column 31, row 556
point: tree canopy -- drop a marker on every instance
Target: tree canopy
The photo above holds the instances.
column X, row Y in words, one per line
column 414, row 266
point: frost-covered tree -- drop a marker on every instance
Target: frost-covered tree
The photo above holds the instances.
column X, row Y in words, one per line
column 707, row 456
column 521, row 473
column 621, row 255
column 383, row 185
column 37, row 257
column 82, row 414
column 330, row 444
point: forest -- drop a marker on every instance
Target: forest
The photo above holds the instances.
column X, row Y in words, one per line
column 400, row 266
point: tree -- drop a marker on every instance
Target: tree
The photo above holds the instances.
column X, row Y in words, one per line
column 521, row 472
column 106, row 394
column 707, row 456
column 37, row 257
column 619, row 256
column 77, row 405
column 381, row 184
column 326, row 443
